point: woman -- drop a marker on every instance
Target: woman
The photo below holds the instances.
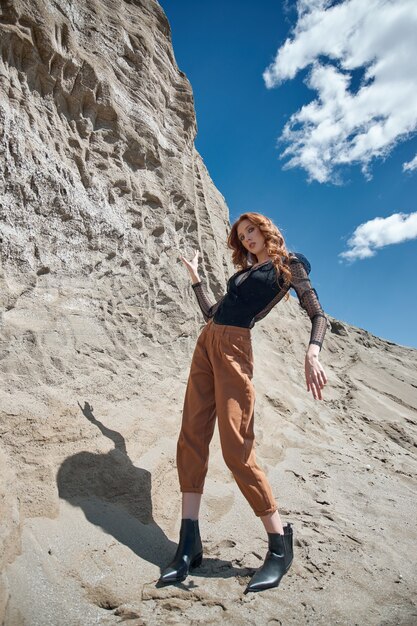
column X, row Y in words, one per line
column 220, row 384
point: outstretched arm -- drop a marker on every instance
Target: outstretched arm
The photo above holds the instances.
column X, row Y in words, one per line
column 207, row 308
column 308, row 298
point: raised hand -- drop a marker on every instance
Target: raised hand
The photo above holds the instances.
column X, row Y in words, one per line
column 192, row 266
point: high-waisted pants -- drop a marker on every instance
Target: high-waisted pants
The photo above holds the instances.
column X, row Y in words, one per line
column 220, row 383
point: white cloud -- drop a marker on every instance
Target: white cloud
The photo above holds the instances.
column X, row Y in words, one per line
column 410, row 165
column 380, row 232
column 344, row 125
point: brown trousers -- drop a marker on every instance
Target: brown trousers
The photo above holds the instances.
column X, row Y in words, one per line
column 220, row 383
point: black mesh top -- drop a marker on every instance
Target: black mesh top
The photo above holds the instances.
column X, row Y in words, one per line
column 252, row 293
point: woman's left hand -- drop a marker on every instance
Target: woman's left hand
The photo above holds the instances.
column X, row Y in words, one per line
column 315, row 375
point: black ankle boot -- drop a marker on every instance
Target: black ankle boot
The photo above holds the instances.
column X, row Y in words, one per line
column 277, row 561
column 189, row 553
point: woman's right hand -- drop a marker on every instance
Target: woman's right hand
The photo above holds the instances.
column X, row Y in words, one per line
column 192, row 266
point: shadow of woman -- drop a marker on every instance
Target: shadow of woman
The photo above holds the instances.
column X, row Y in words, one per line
column 115, row 495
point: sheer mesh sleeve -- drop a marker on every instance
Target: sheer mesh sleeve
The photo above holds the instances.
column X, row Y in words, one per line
column 206, row 307
column 308, row 297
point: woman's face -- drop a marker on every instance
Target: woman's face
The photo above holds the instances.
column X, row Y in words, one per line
column 250, row 236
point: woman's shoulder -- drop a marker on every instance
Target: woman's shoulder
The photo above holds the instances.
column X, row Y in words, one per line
column 297, row 257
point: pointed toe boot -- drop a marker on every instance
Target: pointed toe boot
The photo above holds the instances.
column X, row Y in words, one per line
column 189, row 553
column 277, row 561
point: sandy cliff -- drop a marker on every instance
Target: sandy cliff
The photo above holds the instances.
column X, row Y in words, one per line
column 102, row 189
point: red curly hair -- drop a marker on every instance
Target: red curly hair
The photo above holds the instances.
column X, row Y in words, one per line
column 274, row 245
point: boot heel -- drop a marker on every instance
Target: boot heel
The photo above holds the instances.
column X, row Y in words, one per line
column 197, row 560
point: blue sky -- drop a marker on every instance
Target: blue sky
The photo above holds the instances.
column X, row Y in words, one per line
column 224, row 47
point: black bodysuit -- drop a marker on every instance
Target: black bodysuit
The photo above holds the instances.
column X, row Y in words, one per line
column 253, row 292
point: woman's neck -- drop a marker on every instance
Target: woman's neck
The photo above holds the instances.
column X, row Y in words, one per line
column 262, row 257
column 261, row 262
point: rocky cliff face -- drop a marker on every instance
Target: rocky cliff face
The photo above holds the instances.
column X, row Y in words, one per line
column 101, row 191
